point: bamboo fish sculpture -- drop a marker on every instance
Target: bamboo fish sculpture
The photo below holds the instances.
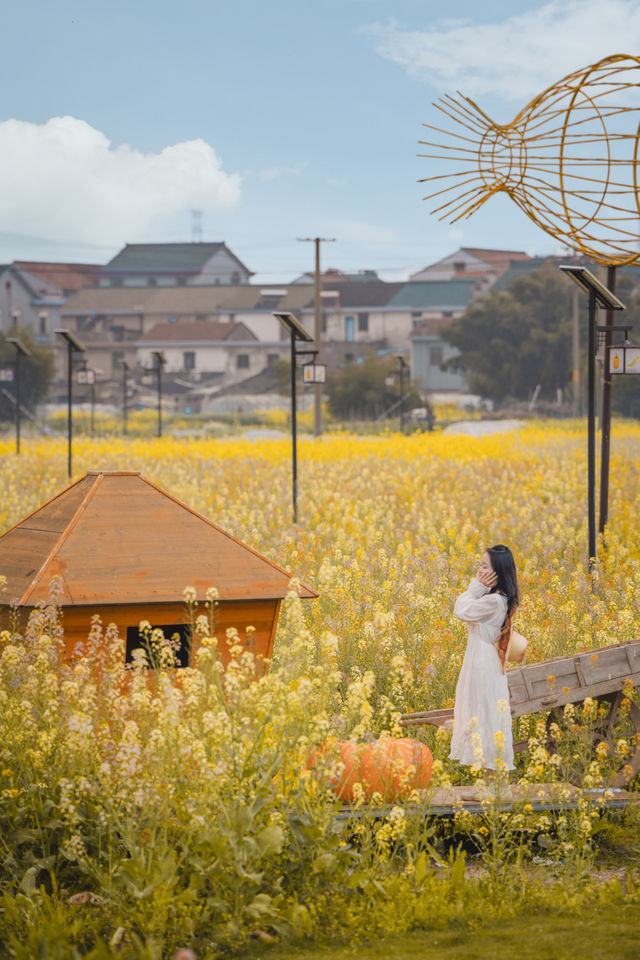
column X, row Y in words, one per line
column 570, row 160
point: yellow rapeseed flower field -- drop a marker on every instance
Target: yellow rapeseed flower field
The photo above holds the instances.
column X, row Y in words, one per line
column 390, row 528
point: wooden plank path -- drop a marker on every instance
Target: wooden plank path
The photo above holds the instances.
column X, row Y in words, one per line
column 541, row 797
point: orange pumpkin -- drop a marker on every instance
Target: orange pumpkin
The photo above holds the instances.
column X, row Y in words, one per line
column 392, row 768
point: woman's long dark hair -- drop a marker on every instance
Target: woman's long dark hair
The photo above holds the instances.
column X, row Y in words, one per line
column 504, row 566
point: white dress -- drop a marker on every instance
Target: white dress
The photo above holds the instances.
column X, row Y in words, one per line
column 482, row 716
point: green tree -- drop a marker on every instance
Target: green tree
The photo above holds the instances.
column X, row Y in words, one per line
column 360, row 391
column 511, row 341
column 36, row 374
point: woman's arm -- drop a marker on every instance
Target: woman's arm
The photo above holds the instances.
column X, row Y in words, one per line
column 476, row 604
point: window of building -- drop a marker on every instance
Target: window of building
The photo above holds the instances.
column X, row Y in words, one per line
column 437, row 355
column 272, row 359
column 181, row 281
column 152, row 282
column 242, row 361
column 323, row 323
column 116, row 359
column 348, row 358
column 235, row 277
column 447, row 313
column 459, row 266
column 118, row 334
column 116, row 281
column 189, row 357
column 42, row 328
column 176, row 645
column 363, row 322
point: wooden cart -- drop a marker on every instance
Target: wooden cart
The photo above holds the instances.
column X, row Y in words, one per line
column 602, row 674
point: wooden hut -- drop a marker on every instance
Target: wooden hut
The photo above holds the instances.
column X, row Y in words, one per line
column 125, row 549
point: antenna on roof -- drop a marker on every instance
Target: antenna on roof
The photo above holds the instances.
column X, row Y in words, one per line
column 196, row 226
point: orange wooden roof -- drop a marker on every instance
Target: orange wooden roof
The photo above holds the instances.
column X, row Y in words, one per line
column 116, row 537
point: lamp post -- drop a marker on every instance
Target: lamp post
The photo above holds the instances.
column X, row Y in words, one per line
column 21, row 351
column 296, row 332
column 159, row 362
column 599, row 296
column 402, row 367
column 125, row 370
column 73, row 346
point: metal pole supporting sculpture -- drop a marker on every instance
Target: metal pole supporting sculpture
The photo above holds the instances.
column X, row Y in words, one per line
column 570, row 160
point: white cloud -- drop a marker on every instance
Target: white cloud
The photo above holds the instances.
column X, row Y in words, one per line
column 517, row 58
column 64, row 179
column 274, row 173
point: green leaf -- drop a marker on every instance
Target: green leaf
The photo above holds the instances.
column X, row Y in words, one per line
column 28, row 882
column 270, row 840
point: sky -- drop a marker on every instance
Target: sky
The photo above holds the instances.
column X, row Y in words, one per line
column 277, row 120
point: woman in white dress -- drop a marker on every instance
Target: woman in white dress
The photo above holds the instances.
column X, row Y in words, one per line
column 482, row 732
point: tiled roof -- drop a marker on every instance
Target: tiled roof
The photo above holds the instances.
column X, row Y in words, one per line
column 174, row 301
column 374, row 293
column 331, row 276
column 517, row 269
column 434, row 294
column 67, row 277
column 165, row 258
column 150, row 543
column 220, row 300
column 200, row 331
column 497, row 258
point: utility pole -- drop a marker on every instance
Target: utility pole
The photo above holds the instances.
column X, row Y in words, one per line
column 317, row 390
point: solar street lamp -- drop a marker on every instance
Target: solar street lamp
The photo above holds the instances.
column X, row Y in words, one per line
column 402, row 366
column 21, row 351
column 73, row 346
column 125, row 370
column 159, row 361
column 599, row 296
column 296, row 332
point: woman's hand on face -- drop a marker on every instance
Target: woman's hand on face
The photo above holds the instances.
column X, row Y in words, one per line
column 488, row 578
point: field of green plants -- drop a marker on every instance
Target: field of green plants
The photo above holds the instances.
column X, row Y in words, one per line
column 194, row 810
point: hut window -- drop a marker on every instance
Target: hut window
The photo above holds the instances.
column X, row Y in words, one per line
column 177, row 636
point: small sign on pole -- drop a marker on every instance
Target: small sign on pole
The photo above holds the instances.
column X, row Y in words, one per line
column 6, row 375
column 86, row 376
column 314, row 373
column 632, row 360
column 624, row 359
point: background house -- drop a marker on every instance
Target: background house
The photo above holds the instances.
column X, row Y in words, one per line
column 219, row 351
column 32, row 294
column 429, row 354
column 174, row 265
column 485, row 266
